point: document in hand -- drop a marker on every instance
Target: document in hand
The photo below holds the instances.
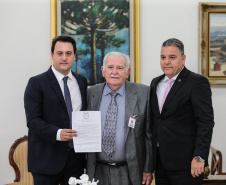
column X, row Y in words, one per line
column 88, row 127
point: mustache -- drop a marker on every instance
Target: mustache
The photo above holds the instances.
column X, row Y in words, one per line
column 114, row 76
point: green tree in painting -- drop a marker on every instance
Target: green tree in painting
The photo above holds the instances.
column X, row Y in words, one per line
column 104, row 42
column 87, row 17
column 107, row 41
column 79, row 53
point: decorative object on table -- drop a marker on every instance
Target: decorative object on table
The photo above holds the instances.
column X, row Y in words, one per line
column 84, row 180
column 206, row 172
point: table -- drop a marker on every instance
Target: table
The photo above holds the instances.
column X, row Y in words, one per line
column 215, row 180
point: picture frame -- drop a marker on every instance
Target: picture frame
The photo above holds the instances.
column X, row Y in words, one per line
column 133, row 42
column 212, row 42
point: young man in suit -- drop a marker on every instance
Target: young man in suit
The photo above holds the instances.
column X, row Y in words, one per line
column 181, row 118
column 49, row 100
column 126, row 156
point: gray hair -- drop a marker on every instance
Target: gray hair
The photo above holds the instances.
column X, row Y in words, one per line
column 174, row 42
column 126, row 57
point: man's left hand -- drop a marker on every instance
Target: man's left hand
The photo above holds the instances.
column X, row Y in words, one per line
column 147, row 178
column 196, row 168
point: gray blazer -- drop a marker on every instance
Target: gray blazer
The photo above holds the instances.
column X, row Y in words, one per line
column 138, row 145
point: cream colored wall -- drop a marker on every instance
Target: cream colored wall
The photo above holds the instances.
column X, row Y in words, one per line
column 25, row 51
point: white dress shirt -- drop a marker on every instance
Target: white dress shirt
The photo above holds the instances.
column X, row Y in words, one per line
column 161, row 87
column 76, row 99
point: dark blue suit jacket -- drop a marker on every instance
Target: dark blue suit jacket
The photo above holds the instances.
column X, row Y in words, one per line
column 46, row 112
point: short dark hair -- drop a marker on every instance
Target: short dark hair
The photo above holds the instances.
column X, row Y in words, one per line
column 174, row 42
column 63, row 39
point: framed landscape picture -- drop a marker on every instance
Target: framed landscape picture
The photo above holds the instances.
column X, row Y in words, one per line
column 212, row 40
column 98, row 27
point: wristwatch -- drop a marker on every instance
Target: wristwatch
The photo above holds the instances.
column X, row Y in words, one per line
column 199, row 159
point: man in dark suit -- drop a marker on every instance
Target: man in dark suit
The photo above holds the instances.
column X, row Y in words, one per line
column 51, row 156
column 129, row 161
column 181, row 118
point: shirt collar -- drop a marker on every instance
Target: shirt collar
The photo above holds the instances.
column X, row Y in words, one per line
column 120, row 90
column 60, row 76
column 165, row 79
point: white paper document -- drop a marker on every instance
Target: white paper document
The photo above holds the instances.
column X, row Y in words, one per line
column 88, row 127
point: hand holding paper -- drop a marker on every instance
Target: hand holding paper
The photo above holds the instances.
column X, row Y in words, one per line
column 88, row 127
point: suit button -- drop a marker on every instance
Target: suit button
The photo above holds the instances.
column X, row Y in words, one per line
column 160, row 120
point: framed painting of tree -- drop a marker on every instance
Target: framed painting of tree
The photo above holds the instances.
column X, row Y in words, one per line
column 98, row 26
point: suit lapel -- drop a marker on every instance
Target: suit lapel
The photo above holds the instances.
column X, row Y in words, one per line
column 177, row 84
column 56, row 87
column 131, row 101
column 155, row 97
column 96, row 97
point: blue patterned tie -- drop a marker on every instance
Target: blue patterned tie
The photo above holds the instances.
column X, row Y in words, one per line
column 108, row 138
column 67, row 98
